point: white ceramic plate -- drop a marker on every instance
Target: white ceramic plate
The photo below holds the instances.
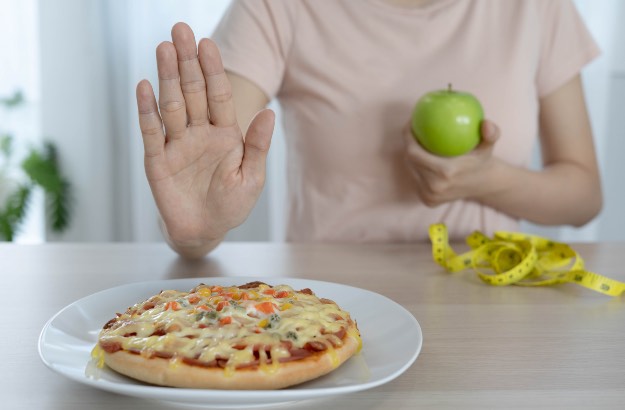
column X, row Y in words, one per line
column 391, row 336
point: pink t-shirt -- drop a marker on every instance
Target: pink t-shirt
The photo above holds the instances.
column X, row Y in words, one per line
column 348, row 73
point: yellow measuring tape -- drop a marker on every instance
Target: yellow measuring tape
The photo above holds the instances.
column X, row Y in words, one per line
column 511, row 258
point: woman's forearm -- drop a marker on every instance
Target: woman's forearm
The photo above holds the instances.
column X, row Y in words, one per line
column 564, row 193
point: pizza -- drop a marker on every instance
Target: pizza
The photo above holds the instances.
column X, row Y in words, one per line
column 252, row 336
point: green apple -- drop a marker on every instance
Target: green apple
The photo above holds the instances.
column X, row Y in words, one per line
column 447, row 122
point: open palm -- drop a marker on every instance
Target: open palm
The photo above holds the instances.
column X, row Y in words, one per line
column 204, row 175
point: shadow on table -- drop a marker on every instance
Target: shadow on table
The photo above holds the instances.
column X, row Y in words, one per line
column 185, row 268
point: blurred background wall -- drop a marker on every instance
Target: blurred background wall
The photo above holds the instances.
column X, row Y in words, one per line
column 77, row 63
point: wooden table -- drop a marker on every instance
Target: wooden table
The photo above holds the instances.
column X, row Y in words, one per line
column 484, row 347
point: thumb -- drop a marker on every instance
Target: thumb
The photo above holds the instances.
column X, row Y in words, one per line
column 257, row 142
column 490, row 134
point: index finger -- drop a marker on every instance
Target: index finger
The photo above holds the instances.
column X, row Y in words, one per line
column 149, row 120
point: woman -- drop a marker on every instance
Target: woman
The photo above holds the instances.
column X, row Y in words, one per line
column 347, row 75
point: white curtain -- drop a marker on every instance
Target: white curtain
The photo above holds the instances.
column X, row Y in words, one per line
column 93, row 52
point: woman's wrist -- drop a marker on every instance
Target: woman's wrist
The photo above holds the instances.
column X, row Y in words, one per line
column 191, row 249
column 494, row 180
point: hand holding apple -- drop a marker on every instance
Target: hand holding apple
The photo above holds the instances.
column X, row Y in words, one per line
column 447, row 122
column 439, row 179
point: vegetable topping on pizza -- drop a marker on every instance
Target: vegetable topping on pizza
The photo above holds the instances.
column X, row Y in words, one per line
column 252, row 336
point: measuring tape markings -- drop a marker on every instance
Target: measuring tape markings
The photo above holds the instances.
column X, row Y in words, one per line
column 512, row 258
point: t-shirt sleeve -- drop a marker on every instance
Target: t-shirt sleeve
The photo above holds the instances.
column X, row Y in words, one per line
column 566, row 45
column 254, row 37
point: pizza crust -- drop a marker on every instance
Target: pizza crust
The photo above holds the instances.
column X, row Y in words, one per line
column 162, row 372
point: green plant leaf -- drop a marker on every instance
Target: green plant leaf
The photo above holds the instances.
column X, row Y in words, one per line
column 42, row 171
column 59, row 207
column 6, row 145
column 16, row 99
column 12, row 215
column 42, row 168
column 51, row 153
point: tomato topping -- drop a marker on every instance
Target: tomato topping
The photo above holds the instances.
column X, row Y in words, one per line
column 265, row 307
column 173, row 305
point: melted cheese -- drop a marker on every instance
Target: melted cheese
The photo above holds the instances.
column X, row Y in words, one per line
column 353, row 333
column 97, row 355
column 225, row 324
